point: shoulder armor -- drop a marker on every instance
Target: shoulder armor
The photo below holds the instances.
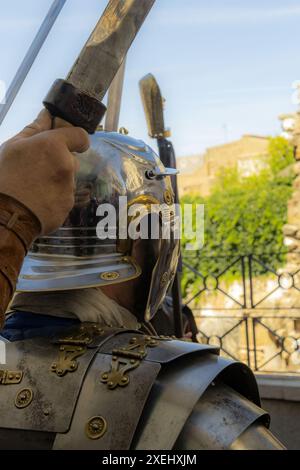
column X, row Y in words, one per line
column 94, row 388
column 47, row 375
column 123, row 375
column 223, row 419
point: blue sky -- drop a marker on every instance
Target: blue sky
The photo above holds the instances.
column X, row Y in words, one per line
column 225, row 66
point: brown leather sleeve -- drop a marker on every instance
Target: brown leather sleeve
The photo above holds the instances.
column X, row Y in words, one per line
column 18, row 229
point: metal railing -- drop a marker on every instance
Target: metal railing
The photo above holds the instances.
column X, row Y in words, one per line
column 255, row 340
column 249, row 306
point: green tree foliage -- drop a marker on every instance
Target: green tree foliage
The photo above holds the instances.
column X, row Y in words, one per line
column 244, row 215
column 281, row 155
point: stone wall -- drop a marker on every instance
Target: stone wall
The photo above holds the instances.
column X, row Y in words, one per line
column 281, row 398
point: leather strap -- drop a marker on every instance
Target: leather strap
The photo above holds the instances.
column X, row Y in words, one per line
column 18, row 229
column 14, row 216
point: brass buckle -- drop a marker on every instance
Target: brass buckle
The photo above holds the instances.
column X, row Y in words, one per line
column 126, row 359
column 73, row 346
column 117, row 376
column 86, row 335
column 8, row 377
column 139, row 343
column 67, row 359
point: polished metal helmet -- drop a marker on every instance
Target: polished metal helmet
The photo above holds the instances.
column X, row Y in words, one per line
column 75, row 257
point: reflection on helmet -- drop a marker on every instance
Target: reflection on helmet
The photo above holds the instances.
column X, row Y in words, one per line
column 74, row 257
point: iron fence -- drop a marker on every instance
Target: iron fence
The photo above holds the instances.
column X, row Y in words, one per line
column 249, row 306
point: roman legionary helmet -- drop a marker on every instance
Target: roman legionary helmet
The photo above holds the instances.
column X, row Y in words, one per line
column 78, row 256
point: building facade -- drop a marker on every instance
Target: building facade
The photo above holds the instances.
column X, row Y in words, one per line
column 247, row 155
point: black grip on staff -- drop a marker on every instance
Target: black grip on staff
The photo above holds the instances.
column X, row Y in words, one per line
column 66, row 101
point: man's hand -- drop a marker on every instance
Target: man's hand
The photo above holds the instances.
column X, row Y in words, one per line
column 38, row 169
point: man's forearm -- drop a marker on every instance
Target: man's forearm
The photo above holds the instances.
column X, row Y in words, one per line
column 6, row 295
column 18, row 229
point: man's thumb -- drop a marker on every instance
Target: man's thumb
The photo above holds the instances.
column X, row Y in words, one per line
column 42, row 123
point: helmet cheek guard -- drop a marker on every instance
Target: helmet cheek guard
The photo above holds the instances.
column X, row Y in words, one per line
column 114, row 175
